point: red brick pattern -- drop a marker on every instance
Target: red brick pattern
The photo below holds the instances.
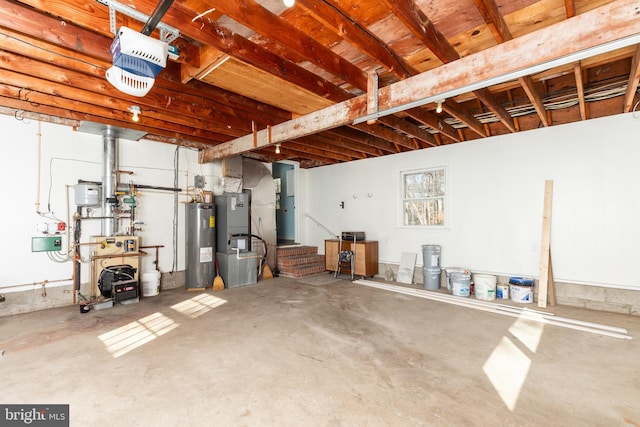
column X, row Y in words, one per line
column 300, row 261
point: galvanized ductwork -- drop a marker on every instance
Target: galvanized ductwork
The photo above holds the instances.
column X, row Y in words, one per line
column 109, row 180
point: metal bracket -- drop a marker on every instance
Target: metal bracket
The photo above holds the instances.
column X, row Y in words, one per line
column 167, row 33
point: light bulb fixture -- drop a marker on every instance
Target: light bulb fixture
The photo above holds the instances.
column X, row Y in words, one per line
column 277, row 148
column 289, row 3
column 136, row 111
column 439, row 107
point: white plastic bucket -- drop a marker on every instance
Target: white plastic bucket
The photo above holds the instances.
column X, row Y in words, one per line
column 151, row 284
column 460, row 284
column 522, row 294
column 502, row 291
column 449, row 270
column 485, row 286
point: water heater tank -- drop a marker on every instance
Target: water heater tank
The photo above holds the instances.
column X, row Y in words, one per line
column 87, row 195
column 200, row 245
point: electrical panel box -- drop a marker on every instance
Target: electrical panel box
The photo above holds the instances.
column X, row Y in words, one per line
column 46, row 244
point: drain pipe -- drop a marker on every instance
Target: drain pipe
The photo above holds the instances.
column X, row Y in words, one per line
column 109, row 152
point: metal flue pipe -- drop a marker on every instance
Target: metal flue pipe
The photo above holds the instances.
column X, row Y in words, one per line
column 109, row 184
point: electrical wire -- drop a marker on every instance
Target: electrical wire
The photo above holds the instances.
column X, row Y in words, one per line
column 607, row 89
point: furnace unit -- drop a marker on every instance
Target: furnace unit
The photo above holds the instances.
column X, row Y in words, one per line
column 200, row 244
column 116, row 267
column 238, row 264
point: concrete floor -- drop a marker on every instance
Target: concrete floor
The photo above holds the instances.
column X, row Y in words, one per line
column 288, row 353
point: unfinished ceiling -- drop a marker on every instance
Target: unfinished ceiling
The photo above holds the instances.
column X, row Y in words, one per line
column 254, row 74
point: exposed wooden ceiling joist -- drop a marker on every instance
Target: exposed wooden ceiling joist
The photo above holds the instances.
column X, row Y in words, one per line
column 245, row 62
column 491, row 63
column 634, row 78
column 577, row 71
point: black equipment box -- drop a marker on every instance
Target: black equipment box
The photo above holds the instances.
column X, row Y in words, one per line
column 125, row 289
column 353, row 235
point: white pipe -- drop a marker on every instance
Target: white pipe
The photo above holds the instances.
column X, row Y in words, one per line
column 524, row 311
column 600, row 329
column 38, row 161
column 245, row 257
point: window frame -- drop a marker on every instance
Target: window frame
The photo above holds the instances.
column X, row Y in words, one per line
column 445, row 198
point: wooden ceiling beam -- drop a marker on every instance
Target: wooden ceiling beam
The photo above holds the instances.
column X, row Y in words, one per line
column 577, row 72
column 303, row 148
column 77, row 11
column 67, row 36
column 494, row 19
column 415, row 19
column 33, row 23
column 206, row 33
column 80, row 110
column 570, row 8
column 22, row 109
column 251, row 53
column 584, row 31
column 319, row 143
column 487, row 98
column 516, row 121
column 48, row 78
column 82, row 88
column 337, row 20
column 210, row 58
column 466, row 118
column 500, row 30
column 386, row 133
column 435, row 122
column 292, row 151
column 410, row 129
column 534, row 96
column 252, row 15
column 183, row 142
column 356, row 140
column 634, row 79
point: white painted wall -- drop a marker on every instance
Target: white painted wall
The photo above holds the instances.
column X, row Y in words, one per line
column 495, row 189
column 495, row 201
column 67, row 156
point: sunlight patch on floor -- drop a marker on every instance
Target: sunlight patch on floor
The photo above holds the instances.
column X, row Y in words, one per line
column 508, row 366
column 135, row 334
column 528, row 331
column 198, row 305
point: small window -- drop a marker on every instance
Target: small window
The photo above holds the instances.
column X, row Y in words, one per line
column 423, row 197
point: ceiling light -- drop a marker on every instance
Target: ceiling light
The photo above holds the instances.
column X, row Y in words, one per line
column 136, row 111
column 289, row 3
column 439, row 107
column 277, row 148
